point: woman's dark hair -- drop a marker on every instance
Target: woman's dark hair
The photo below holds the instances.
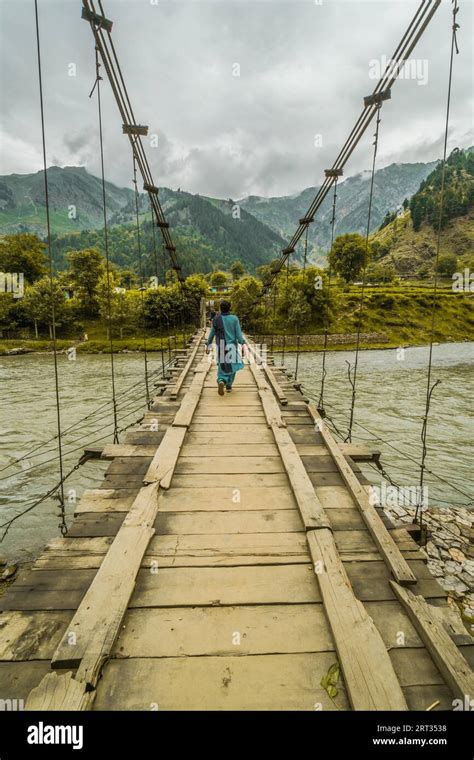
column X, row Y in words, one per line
column 225, row 307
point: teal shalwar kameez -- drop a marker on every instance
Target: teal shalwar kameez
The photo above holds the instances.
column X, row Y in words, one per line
column 233, row 338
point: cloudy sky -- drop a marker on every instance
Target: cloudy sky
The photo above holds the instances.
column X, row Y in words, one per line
column 303, row 68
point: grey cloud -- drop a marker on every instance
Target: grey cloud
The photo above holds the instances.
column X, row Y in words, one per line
column 304, row 70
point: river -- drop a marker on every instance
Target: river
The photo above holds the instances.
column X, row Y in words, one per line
column 391, row 390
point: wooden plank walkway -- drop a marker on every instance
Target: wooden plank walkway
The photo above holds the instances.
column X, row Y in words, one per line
column 227, row 561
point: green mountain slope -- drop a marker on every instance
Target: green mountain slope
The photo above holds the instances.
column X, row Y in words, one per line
column 206, row 235
column 22, row 200
column 411, row 238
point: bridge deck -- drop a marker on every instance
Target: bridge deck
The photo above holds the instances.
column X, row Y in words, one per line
column 187, row 581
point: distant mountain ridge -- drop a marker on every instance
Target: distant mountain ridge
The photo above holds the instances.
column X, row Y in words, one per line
column 392, row 185
column 209, row 233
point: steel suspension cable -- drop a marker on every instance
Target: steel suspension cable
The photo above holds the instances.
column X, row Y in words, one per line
column 352, row 372
column 142, row 280
column 326, row 306
column 431, row 387
column 59, row 490
column 106, row 245
column 382, row 91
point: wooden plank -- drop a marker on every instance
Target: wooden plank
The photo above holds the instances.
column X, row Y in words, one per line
column 59, row 692
column 369, row 676
column 174, row 390
column 387, row 547
column 238, row 428
column 360, row 452
column 229, row 465
column 255, row 521
column 112, row 450
column 282, row 399
column 211, row 586
column 18, row 678
column 370, row 679
column 96, row 623
column 226, row 498
column 31, row 635
column 230, row 421
column 218, row 451
column 218, row 410
column 238, row 480
column 371, row 581
column 186, row 412
column 221, row 549
column 163, row 465
column 447, row 657
column 254, row 436
column 191, row 632
column 262, row 682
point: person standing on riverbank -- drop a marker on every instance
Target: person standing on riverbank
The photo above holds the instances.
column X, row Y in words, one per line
column 228, row 334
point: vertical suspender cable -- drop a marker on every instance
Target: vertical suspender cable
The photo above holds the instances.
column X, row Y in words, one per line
column 305, row 258
column 142, row 282
column 63, row 526
column 155, row 252
column 353, row 376
column 284, row 333
column 429, row 387
column 321, row 409
column 106, row 244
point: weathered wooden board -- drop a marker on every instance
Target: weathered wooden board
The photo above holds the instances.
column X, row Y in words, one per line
column 234, row 428
column 256, row 437
column 255, row 521
column 31, row 635
column 229, row 465
column 174, row 391
column 17, row 679
column 96, row 524
column 163, row 465
column 370, row 581
column 112, row 450
column 261, row 629
column 335, row 497
column 390, row 554
column 226, row 498
column 267, row 682
column 97, row 621
column 230, row 421
column 209, row 586
column 220, row 450
column 444, row 653
column 235, row 481
column 225, row 549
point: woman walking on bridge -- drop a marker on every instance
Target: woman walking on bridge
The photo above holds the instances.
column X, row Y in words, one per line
column 227, row 331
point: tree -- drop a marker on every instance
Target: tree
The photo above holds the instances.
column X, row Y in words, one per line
column 38, row 303
column 246, row 301
column 348, row 256
column 218, row 279
column 23, row 253
column 237, row 270
column 86, row 267
column 447, row 265
column 381, row 272
column 127, row 279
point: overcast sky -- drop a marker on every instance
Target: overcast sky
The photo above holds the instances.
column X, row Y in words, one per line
column 304, row 69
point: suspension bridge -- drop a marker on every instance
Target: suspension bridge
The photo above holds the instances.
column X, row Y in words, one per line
column 232, row 557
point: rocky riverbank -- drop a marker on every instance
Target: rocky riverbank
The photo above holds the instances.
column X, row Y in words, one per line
column 449, row 550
